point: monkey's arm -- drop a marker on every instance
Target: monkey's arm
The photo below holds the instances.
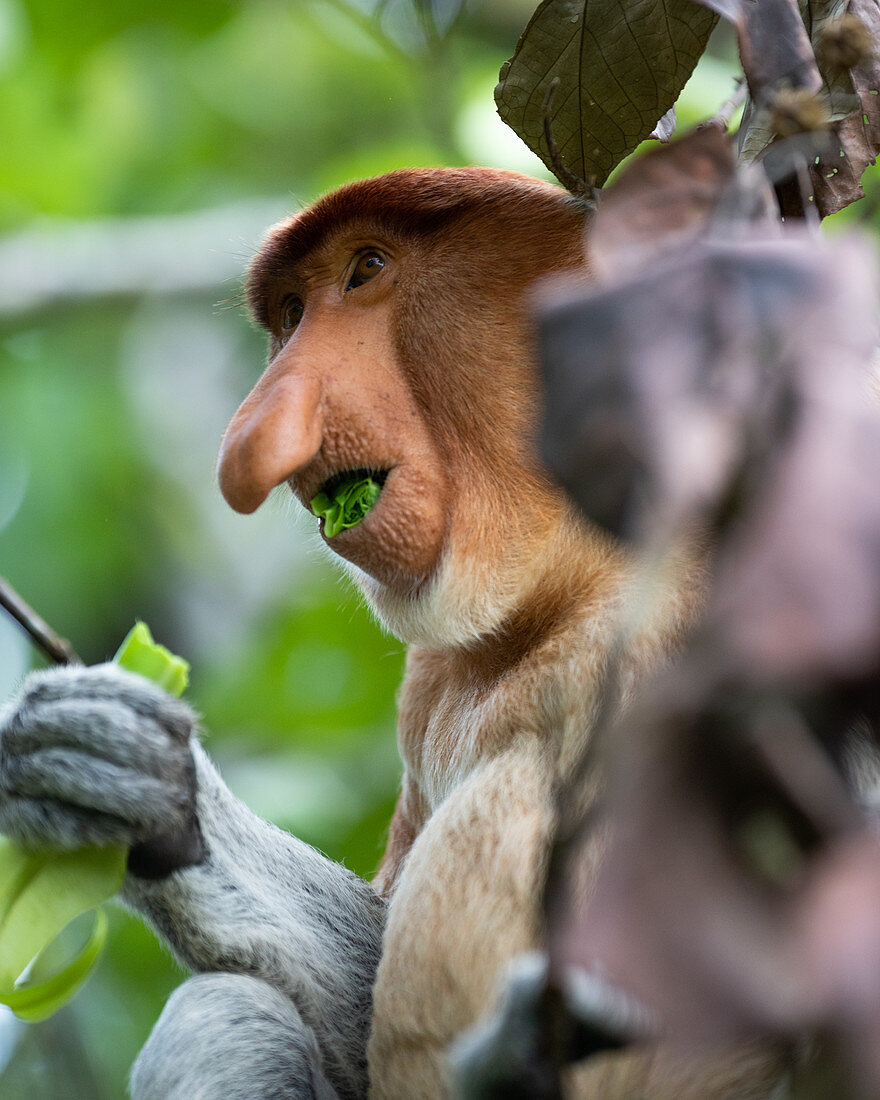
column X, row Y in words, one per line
column 99, row 756
column 263, row 903
column 266, row 905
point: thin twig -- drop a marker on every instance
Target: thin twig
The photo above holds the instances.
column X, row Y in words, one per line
column 55, row 647
column 435, row 79
column 371, row 25
column 721, row 118
column 566, row 177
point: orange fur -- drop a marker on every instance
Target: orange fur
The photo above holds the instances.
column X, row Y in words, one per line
column 510, row 600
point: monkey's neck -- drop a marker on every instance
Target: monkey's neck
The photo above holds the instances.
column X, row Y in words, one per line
column 531, row 676
column 581, row 572
column 540, row 671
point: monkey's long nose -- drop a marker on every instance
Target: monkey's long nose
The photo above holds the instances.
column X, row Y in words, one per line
column 276, row 431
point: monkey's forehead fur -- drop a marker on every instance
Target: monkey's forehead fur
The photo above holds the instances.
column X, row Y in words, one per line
column 408, row 201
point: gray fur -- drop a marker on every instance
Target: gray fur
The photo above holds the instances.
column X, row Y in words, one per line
column 265, row 904
column 99, row 756
column 256, row 1039
column 95, row 756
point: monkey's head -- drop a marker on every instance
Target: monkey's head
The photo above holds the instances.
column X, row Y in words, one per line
column 400, row 346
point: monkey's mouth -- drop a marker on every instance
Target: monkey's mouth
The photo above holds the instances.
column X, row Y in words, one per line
column 345, row 499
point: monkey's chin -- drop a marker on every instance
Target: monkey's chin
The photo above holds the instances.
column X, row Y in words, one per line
column 455, row 603
column 445, row 611
column 400, row 540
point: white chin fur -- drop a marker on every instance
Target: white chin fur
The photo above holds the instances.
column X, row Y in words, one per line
column 453, row 609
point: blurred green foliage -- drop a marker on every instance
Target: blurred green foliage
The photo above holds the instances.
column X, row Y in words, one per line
column 112, row 401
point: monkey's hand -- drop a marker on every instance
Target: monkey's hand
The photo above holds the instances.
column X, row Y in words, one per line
column 507, row 1053
column 100, row 756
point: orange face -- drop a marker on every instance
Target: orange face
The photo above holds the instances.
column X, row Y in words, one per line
column 398, row 348
column 334, row 401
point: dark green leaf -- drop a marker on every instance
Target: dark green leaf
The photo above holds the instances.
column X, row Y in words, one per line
column 620, row 68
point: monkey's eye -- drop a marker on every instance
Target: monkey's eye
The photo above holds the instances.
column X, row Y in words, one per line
column 367, row 267
column 291, row 314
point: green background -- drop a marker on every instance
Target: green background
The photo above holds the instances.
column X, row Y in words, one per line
column 143, row 151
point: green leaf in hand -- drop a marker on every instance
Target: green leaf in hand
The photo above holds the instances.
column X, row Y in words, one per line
column 347, row 505
column 42, row 892
column 139, row 653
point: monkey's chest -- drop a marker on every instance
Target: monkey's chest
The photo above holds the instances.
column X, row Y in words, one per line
column 460, row 734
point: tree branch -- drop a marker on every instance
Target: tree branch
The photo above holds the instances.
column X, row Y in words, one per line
column 55, row 647
column 722, row 117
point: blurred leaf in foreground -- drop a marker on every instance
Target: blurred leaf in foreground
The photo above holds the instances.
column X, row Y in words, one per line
column 738, row 891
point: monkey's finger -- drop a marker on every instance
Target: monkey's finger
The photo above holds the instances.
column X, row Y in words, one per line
column 149, row 805
column 41, row 824
column 112, row 684
column 102, row 729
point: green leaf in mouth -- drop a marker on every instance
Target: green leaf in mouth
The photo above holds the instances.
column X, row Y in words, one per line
column 347, row 504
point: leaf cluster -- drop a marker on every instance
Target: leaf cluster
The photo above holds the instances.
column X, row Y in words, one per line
column 590, row 81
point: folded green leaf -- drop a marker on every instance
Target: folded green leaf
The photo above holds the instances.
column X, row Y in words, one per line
column 40, row 894
column 37, row 1001
column 349, row 503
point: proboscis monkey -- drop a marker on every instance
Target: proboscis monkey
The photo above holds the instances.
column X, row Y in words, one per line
column 400, row 346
